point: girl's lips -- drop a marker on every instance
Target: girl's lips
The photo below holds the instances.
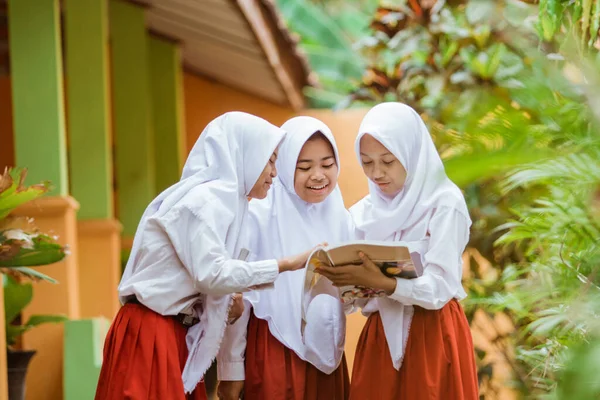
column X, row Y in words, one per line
column 318, row 191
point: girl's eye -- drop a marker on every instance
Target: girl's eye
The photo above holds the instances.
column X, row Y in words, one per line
column 329, row 166
column 303, row 168
column 367, row 162
column 388, row 162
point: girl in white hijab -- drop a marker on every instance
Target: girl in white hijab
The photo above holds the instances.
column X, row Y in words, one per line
column 185, row 264
column 412, row 200
column 304, row 208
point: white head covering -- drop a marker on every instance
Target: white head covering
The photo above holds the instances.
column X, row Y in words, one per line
column 406, row 215
column 225, row 163
column 402, row 131
column 287, row 225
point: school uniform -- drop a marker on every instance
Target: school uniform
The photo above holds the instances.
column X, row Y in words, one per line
column 183, row 268
column 286, row 358
column 416, row 343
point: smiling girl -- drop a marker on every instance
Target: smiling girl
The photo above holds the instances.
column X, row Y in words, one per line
column 416, row 343
column 284, row 360
column 184, row 266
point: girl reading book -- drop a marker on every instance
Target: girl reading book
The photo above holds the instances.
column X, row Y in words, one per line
column 416, row 343
column 183, row 269
column 285, row 358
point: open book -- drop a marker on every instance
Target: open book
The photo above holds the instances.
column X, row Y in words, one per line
column 393, row 258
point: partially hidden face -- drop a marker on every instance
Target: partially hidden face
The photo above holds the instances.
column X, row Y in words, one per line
column 265, row 180
column 381, row 166
column 316, row 170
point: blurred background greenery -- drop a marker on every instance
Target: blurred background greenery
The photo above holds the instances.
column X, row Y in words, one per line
column 511, row 92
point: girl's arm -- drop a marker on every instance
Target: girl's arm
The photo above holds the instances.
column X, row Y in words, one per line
column 201, row 250
column 442, row 267
column 442, row 264
column 230, row 359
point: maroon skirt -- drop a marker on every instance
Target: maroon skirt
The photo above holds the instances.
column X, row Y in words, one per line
column 144, row 356
column 274, row 372
column 439, row 362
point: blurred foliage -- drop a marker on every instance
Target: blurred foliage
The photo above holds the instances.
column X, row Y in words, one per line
column 509, row 91
column 328, row 31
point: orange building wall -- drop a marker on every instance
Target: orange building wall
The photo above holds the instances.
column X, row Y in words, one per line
column 7, row 156
column 206, row 100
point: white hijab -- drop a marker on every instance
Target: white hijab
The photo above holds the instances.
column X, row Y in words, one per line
column 406, row 215
column 225, row 163
column 287, row 225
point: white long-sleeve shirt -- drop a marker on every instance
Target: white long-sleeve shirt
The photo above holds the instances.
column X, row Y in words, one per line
column 440, row 281
column 172, row 275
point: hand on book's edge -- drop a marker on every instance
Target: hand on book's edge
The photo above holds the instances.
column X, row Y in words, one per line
column 366, row 274
column 298, row 261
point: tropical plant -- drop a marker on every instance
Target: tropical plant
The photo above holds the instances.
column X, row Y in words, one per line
column 327, row 32
column 433, row 54
column 516, row 129
column 21, row 244
column 16, row 297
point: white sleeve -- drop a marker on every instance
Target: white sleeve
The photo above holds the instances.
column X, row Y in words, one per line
column 230, row 359
column 442, row 264
column 203, row 253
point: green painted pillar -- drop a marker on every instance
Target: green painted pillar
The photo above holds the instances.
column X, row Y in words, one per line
column 37, row 91
column 88, row 106
column 167, row 106
column 134, row 139
column 84, row 340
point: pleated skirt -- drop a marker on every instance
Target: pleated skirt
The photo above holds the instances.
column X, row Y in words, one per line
column 144, row 356
column 274, row 372
column 439, row 361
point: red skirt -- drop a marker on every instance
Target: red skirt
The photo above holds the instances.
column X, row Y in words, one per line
column 439, row 362
column 274, row 372
column 144, row 356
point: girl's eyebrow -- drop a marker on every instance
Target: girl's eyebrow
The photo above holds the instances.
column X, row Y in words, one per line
column 322, row 159
column 381, row 155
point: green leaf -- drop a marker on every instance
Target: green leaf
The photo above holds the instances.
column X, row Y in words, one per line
column 498, row 51
column 36, row 320
column 579, row 380
column 595, row 23
column 16, row 297
column 585, row 18
column 313, row 25
column 13, row 194
column 479, row 11
column 33, row 274
column 43, row 252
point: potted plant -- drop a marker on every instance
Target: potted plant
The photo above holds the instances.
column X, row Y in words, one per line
column 22, row 246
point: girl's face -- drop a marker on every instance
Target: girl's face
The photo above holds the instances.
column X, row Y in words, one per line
column 381, row 166
column 316, row 170
column 263, row 184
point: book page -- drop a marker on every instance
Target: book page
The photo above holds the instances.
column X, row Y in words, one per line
column 393, row 258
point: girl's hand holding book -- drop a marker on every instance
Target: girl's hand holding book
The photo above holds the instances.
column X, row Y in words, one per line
column 366, row 274
column 296, row 262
